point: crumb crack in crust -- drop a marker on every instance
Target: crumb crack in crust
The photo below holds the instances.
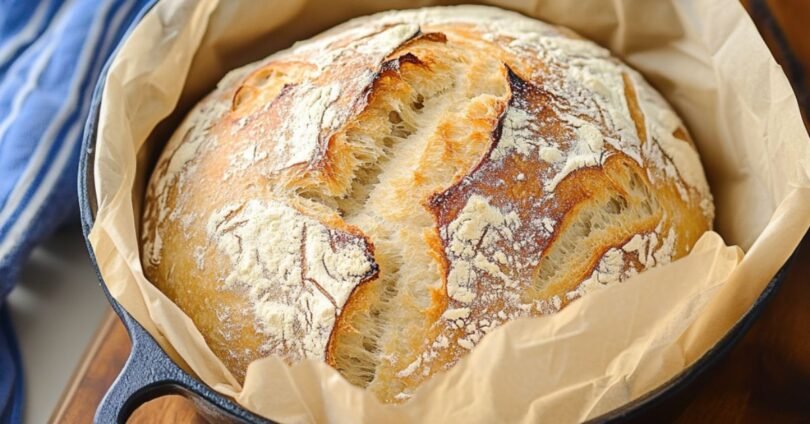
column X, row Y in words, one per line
column 385, row 194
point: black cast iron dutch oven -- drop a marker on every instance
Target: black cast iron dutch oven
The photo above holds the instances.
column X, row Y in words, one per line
column 150, row 373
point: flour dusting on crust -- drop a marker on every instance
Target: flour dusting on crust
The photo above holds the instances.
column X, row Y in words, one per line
column 296, row 272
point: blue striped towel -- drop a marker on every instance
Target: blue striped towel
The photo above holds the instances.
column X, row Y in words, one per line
column 51, row 54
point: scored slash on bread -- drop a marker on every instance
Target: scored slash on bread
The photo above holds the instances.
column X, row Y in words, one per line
column 382, row 196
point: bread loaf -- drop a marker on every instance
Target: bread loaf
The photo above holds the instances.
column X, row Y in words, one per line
column 385, row 194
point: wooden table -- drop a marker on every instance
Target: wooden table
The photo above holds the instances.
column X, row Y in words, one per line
column 765, row 378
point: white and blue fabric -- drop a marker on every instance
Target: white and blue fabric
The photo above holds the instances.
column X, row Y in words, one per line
column 51, row 54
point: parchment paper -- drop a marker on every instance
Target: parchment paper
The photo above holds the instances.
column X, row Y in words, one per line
column 604, row 350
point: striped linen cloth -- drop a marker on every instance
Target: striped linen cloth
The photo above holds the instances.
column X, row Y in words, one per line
column 51, row 54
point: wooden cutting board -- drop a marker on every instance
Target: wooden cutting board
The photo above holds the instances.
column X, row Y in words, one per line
column 765, row 378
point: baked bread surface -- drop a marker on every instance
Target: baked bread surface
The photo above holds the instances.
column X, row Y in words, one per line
column 385, row 194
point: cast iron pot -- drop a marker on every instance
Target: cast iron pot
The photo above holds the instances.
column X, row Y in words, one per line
column 149, row 373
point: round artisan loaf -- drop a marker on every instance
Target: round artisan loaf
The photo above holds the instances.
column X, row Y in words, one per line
column 385, row 194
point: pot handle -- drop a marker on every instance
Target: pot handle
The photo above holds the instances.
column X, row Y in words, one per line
column 148, row 373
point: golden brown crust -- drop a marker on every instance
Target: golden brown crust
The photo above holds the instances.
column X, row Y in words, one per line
column 384, row 195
